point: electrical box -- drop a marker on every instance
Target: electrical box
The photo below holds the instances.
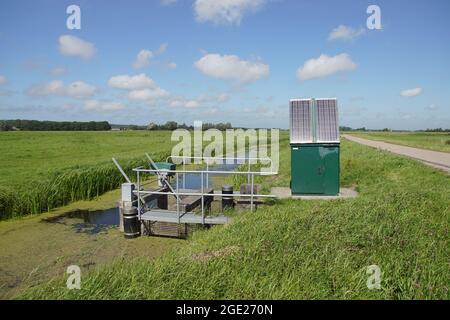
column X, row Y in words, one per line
column 315, row 146
column 164, row 166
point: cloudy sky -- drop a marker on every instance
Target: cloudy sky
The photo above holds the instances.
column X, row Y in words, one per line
column 230, row 60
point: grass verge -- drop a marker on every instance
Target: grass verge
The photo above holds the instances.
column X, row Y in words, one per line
column 425, row 140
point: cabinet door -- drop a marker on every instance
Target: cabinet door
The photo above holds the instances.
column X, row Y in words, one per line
column 307, row 170
column 331, row 176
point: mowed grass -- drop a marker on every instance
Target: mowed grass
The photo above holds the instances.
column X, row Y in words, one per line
column 426, row 140
column 305, row 249
column 44, row 170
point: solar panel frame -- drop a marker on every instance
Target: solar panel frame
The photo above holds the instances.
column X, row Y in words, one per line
column 300, row 116
column 327, row 122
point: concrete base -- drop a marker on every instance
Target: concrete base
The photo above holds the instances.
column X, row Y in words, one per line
column 285, row 193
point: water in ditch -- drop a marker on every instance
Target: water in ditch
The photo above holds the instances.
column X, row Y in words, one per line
column 85, row 221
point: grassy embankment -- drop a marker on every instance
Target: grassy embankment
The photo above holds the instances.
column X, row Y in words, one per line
column 305, row 249
column 426, row 140
column 44, row 170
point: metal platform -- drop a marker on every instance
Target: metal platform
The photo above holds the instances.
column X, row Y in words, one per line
column 189, row 217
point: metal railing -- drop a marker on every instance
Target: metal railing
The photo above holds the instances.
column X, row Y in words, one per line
column 201, row 193
column 207, row 162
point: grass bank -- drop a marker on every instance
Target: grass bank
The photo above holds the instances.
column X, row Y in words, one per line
column 305, row 249
column 426, row 140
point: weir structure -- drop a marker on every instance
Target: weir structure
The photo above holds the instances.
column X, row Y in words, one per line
column 172, row 208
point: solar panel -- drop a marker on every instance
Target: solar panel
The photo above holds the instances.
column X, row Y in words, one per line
column 300, row 121
column 313, row 120
column 327, row 120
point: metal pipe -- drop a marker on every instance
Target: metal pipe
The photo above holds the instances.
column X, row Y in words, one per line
column 203, row 209
column 251, row 199
column 209, row 194
column 207, row 175
column 184, row 174
column 210, row 172
column 215, row 158
column 138, row 195
column 121, row 170
column 223, row 158
column 178, row 201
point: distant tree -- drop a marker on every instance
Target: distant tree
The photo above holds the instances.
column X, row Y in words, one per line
column 437, row 130
column 152, row 126
column 170, row 125
column 34, row 125
column 4, row 126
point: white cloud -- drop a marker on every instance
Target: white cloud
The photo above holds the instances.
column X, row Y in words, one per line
column 77, row 89
column 147, row 94
column 177, row 103
column 3, row 80
column 162, row 48
column 144, row 56
column 324, row 66
column 80, row 90
column 74, row 46
column 142, row 59
column 53, row 87
column 225, row 11
column 137, row 82
column 202, row 101
column 207, row 98
column 182, row 102
column 103, row 105
column 411, row 92
column 345, row 33
column 192, row 104
column 140, row 87
column 58, row 71
column 231, row 67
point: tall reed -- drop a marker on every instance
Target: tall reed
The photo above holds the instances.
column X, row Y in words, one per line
column 61, row 188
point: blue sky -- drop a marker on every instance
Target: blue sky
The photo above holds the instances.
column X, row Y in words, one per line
column 231, row 60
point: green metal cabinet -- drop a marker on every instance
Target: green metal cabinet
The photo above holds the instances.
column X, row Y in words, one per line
column 315, row 169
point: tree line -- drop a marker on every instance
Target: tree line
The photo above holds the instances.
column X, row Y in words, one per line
column 172, row 125
column 343, row 128
column 35, row 125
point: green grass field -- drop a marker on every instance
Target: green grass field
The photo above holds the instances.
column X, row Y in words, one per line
column 426, row 140
column 304, row 249
column 33, row 155
column 44, row 170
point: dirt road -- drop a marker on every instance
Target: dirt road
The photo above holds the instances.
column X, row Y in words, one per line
column 440, row 160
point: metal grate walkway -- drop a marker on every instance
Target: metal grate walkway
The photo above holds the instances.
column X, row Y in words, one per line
column 189, row 217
